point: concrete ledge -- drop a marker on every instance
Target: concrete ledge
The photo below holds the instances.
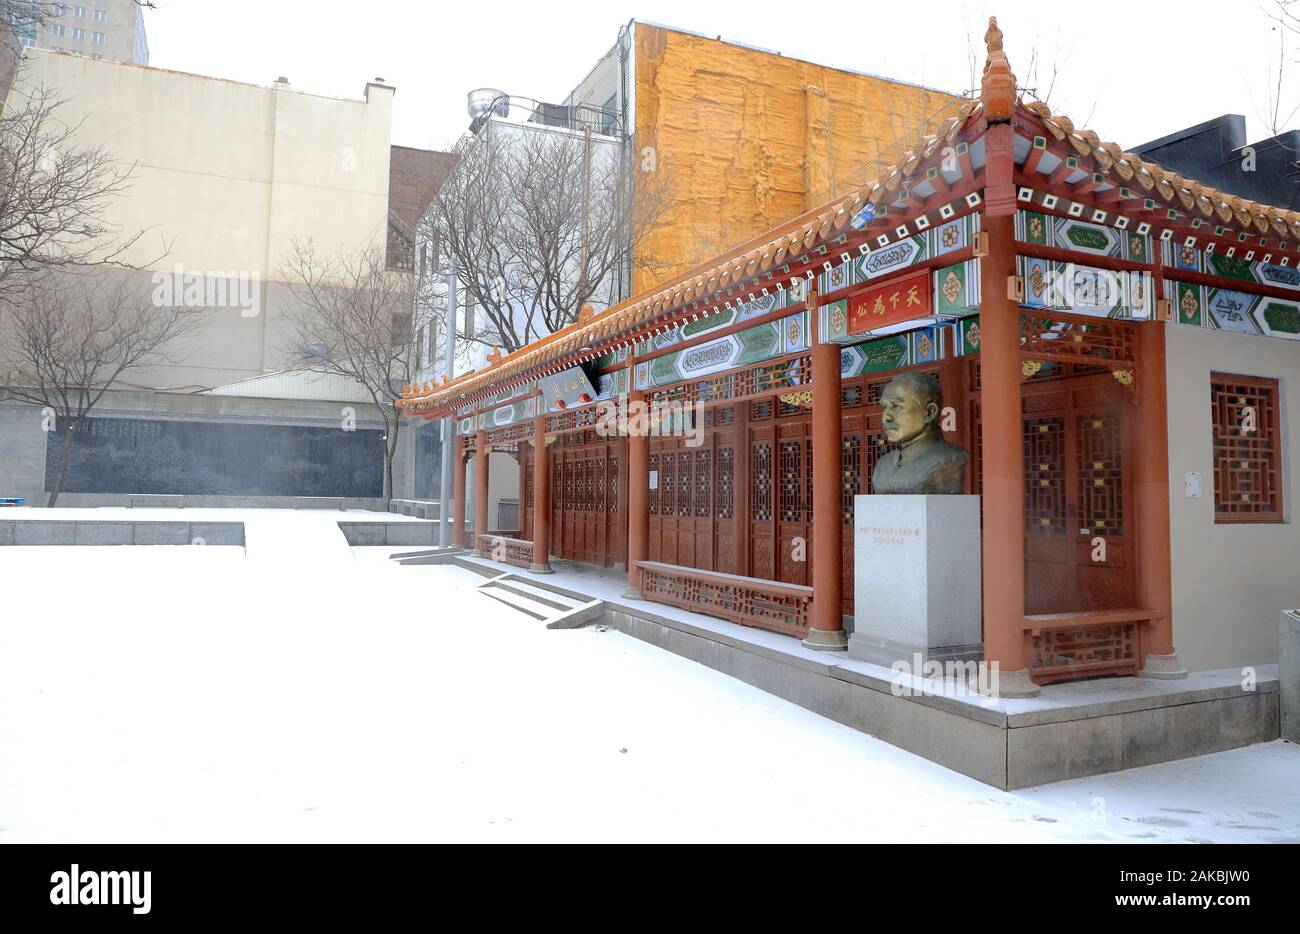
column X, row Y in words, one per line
column 155, row 500
column 1056, row 751
column 89, row 532
column 1070, row 730
column 217, row 533
column 1006, row 750
column 419, row 508
column 318, row 502
column 44, row 533
column 390, row 533
column 961, row 743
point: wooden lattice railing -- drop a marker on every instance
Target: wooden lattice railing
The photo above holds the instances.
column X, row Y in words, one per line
column 783, row 608
column 1067, row 646
column 506, row 547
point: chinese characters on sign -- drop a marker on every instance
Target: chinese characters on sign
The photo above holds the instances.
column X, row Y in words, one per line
column 890, row 535
column 900, row 300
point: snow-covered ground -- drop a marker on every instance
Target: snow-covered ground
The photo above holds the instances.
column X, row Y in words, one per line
column 305, row 690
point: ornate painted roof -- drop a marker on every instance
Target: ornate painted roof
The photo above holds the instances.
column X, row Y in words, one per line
column 669, row 303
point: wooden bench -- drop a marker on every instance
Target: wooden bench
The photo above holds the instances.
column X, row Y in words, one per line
column 1065, row 635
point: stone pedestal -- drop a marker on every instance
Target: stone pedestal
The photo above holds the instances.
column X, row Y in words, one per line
column 917, row 588
column 1289, row 675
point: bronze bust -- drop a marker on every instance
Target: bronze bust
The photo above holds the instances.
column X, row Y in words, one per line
column 922, row 462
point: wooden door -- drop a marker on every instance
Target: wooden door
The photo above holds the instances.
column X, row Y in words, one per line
column 588, row 500
column 1078, row 493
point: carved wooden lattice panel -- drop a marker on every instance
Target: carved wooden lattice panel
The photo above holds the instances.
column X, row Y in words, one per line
column 767, row 377
column 850, row 475
column 791, row 495
column 761, row 467
column 1070, row 653
column 668, row 483
column 703, row 483
column 613, row 484
column 807, row 481
column 741, row 600
column 1244, row 416
column 1044, row 451
column 1068, row 339
column 685, row 485
column 658, row 481
column 725, row 492
column 1099, row 472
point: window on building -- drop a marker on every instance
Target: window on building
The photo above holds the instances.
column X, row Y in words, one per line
column 58, row 29
column 101, row 16
column 97, row 38
column 79, row 11
column 609, row 116
column 401, row 330
column 1247, row 448
column 58, row 9
column 401, row 251
column 78, row 33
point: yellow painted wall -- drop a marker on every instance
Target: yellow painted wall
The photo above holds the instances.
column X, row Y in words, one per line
column 748, row 139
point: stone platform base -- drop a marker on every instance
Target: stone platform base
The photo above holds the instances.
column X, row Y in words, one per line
column 1070, row 730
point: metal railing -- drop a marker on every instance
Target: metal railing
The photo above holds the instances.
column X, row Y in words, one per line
column 578, row 117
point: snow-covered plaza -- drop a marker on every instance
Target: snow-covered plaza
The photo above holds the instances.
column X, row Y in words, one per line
column 300, row 689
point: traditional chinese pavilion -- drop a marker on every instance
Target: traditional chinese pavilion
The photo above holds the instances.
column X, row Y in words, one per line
column 1115, row 342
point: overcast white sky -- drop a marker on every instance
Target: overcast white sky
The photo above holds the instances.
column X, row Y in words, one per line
column 1133, row 70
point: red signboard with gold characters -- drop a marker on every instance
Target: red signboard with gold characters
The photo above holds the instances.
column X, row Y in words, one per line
column 898, row 300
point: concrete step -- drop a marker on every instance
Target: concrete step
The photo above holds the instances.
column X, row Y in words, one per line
column 523, row 604
column 538, row 594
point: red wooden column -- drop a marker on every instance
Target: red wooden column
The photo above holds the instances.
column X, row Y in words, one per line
column 826, row 627
column 541, row 492
column 638, row 484
column 1003, row 538
column 480, row 487
column 458, row 488
column 1151, row 490
column 1002, row 446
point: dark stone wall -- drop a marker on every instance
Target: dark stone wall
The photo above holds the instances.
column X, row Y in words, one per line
column 428, row 460
column 122, row 455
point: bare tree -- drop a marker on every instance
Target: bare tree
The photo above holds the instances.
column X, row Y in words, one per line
column 55, row 193
column 69, row 336
column 537, row 224
column 353, row 318
column 1280, row 105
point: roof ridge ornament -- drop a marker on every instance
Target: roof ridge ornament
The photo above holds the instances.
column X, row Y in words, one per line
column 998, row 87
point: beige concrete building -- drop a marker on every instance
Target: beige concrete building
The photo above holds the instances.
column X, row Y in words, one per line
column 225, row 176
column 112, row 29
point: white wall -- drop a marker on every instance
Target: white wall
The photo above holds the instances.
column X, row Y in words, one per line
column 1229, row 580
column 225, row 176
